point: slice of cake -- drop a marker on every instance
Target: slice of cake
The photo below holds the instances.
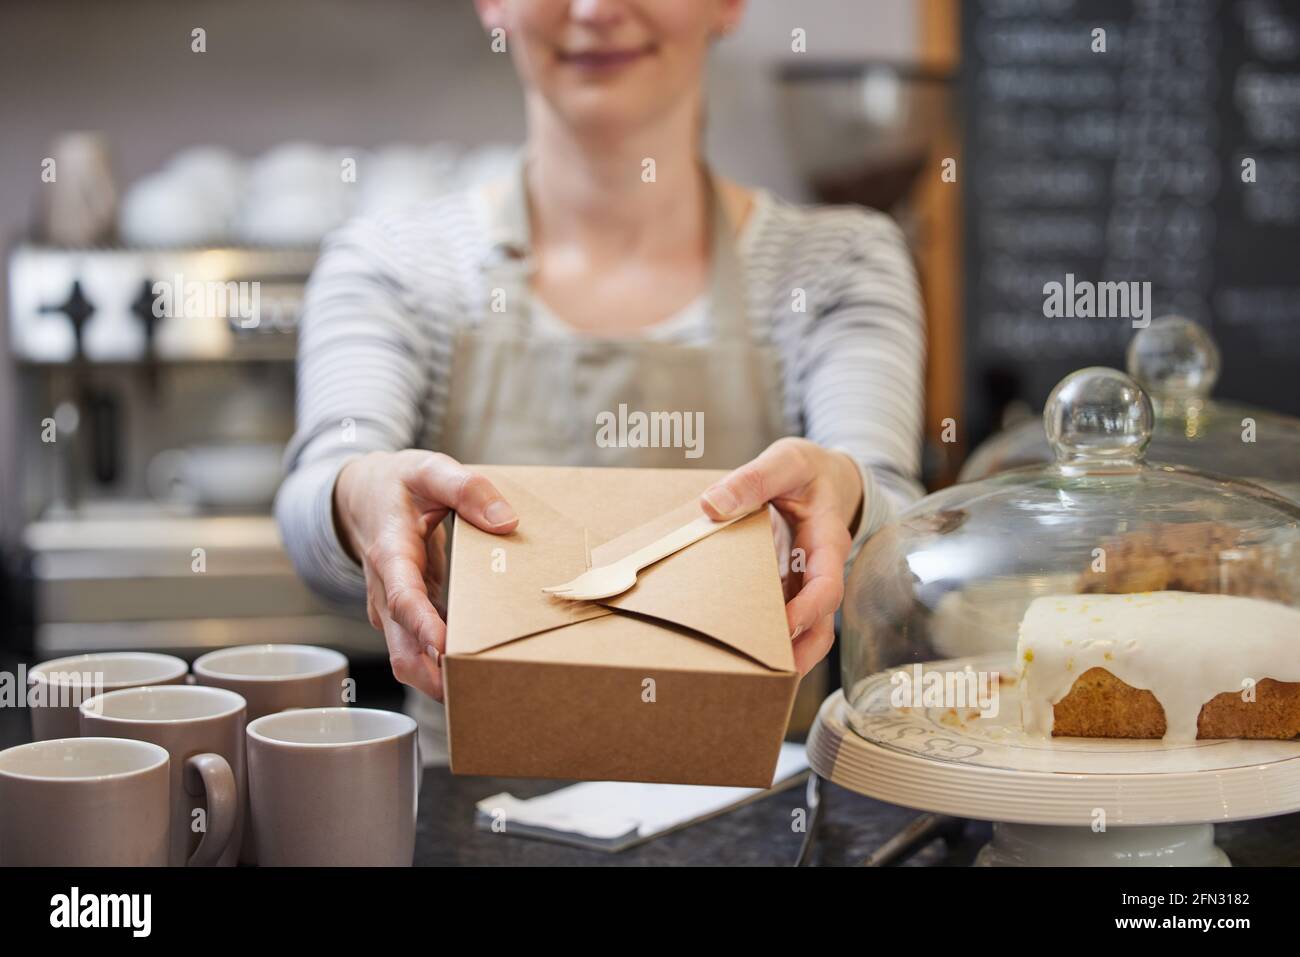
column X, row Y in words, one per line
column 1171, row 665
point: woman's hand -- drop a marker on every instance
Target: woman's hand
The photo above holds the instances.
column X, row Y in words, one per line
column 388, row 507
column 819, row 493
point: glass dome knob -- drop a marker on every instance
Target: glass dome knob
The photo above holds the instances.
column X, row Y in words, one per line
column 1098, row 415
column 1174, row 358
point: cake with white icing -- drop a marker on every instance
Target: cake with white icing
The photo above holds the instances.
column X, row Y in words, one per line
column 1169, row 664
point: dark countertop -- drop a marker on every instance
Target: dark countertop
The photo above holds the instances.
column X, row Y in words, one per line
column 757, row 834
column 760, row 833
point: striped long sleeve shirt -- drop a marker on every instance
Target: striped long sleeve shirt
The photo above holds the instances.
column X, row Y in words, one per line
column 832, row 288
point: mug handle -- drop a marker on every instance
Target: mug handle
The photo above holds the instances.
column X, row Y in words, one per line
column 210, row 775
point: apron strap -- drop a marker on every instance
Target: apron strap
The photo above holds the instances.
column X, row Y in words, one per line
column 727, row 298
column 509, row 264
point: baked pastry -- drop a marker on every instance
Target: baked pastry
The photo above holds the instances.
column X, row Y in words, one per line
column 1171, row 665
column 1208, row 557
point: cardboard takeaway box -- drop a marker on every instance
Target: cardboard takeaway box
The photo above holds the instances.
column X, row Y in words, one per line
column 687, row 678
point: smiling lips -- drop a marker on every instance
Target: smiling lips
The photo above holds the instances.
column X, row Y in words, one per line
column 602, row 60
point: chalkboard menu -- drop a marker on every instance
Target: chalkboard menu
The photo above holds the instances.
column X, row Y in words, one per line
column 1111, row 144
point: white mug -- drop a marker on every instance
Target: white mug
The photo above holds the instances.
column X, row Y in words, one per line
column 203, row 731
column 84, row 802
column 334, row 787
column 64, row 683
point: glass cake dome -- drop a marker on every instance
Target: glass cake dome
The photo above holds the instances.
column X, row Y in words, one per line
column 952, row 577
column 1177, row 362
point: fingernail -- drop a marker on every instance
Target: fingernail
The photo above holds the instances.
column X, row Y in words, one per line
column 499, row 512
column 722, row 500
column 798, row 630
column 432, row 652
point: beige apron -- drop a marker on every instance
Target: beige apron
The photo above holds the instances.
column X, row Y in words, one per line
column 519, row 399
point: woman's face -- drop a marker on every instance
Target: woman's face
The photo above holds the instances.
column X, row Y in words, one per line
column 610, row 65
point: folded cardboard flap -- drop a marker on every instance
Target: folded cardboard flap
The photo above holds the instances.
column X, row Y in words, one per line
column 720, row 587
column 687, row 677
column 498, row 579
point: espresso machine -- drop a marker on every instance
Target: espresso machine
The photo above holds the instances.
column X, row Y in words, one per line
column 155, row 392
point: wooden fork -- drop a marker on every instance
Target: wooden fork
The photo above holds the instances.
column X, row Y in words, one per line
column 617, row 577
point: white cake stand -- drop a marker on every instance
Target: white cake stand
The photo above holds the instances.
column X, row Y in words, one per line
column 1059, row 801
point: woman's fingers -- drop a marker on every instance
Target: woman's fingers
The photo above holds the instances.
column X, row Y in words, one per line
column 811, row 646
column 444, row 483
column 389, row 507
column 804, row 482
column 398, row 560
column 780, row 469
column 398, row 605
column 410, row 664
column 407, row 602
column 825, row 544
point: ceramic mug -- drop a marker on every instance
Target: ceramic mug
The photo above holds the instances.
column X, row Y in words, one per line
column 84, row 802
column 334, row 787
column 65, row 683
column 203, row 731
column 276, row 677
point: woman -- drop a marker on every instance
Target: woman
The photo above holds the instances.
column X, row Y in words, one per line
column 496, row 326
